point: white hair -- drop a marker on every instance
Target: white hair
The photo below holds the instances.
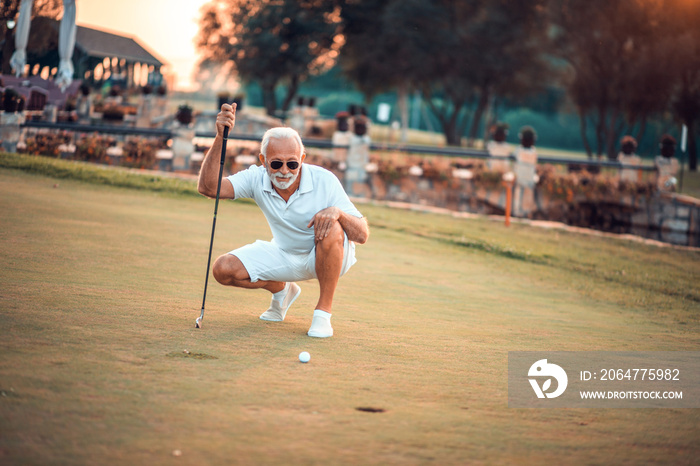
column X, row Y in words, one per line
column 280, row 132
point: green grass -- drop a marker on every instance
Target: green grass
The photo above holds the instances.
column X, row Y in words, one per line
column 100, row 362
column 96, row 174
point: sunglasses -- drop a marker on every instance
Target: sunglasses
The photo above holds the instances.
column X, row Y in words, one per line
column 277, row 164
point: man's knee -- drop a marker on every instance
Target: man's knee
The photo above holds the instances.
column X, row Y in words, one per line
column 229, row 269
column 334, row 240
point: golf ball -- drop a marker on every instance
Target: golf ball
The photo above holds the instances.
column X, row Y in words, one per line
column 304, row 356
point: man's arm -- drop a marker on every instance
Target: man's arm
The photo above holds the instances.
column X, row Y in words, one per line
column 356, row 228
column 209, row 173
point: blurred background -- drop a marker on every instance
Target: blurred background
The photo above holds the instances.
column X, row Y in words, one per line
column 583, row 72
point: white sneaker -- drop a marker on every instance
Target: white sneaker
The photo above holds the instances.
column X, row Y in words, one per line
column 278, row 310
column 321, row 325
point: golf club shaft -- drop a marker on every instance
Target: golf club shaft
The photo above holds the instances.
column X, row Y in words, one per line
column 216, row 210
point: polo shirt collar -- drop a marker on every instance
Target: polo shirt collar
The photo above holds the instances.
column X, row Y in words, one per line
column 267, row 183
column 307, row 184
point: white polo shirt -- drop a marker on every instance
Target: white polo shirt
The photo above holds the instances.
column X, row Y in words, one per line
column 318, row 189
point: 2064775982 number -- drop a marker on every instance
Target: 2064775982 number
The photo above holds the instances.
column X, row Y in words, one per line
column 640, row 374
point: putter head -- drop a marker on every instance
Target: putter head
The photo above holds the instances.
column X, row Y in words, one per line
column 198, row 322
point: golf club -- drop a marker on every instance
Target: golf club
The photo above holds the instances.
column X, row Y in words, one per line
column 198, row 322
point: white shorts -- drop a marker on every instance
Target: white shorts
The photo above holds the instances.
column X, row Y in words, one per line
column 266, row 261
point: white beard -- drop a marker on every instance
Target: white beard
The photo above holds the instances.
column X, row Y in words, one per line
column 275, row 179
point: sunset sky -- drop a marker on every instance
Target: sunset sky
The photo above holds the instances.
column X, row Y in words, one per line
column 165, row 27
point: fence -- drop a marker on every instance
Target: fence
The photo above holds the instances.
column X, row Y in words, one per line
column 327, row 144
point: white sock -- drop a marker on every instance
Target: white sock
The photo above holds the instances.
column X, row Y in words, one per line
column 320, row 313
column 279, row 296
column 321, row 325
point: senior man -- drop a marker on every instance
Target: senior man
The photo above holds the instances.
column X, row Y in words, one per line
column 314, row 224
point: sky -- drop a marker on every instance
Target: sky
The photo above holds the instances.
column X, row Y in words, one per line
column 166, row 28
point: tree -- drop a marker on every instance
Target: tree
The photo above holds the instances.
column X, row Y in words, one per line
column 271, row 42
column 377, row 58
column 685, row 101
column 437, row 38
column 457, row 54
column 363, row 58
column 619, row 62
column 509, row 54
column 9, row 10
column 39, row 37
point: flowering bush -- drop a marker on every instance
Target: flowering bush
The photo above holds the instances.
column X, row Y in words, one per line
column 646, row 188
column 589, row 186
column 93, row 148
column 556, row 185
column 389, row 172
column 463, row 178
column 436, row 169
column 489, row 179
column 141, row 152
column 47, row 143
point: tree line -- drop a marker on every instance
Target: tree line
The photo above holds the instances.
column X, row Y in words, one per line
column 621, row 62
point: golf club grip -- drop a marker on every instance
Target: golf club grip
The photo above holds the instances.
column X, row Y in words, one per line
column 223, row 148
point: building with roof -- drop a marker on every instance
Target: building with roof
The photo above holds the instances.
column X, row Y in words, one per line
column 99, row 55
